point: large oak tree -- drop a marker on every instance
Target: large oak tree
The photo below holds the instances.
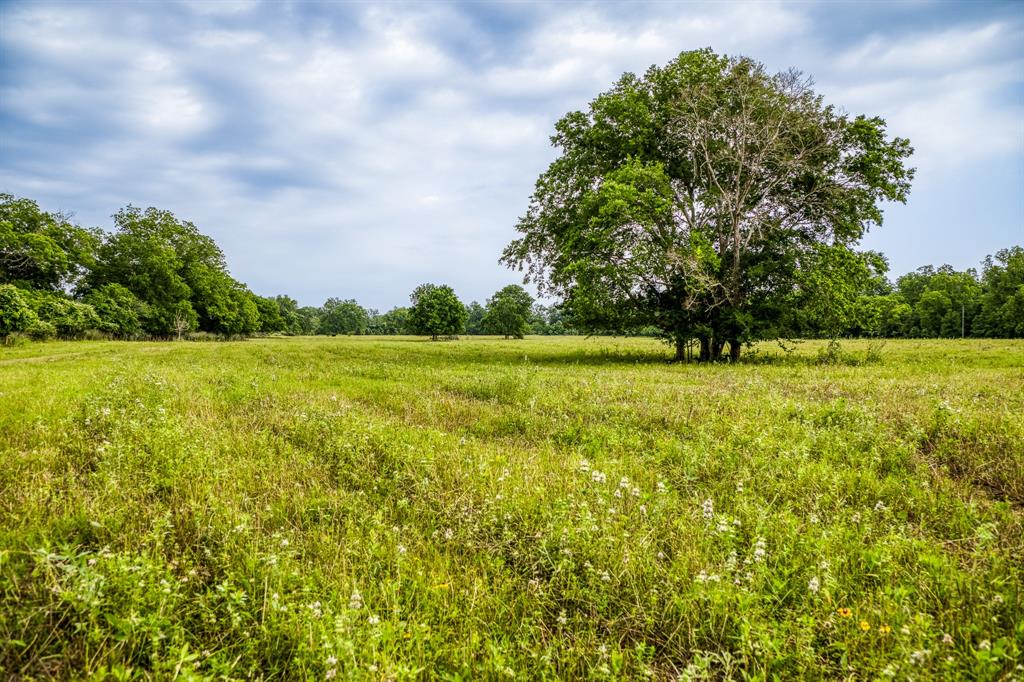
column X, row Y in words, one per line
column 694, row 197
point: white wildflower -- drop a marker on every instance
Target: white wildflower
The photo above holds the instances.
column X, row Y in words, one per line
column 585, row 466
column 598, row 476
column 814, row 585
column 985, row 645
column 879, row 506
column 355, row 602
column 947, row 638
column 708, row 507
column 662, row 488
column 374, row 619
column 332, row 661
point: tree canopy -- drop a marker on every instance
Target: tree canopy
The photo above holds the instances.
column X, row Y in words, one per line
column 693, row 197
column 436, row 311
column 508, row 312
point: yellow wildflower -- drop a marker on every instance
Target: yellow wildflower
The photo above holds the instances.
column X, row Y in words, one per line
column 844, row 612
column 865, row 626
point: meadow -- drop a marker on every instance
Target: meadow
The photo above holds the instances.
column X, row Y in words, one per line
column 394, row 508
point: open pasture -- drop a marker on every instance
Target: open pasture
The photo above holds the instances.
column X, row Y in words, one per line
column 485, row 509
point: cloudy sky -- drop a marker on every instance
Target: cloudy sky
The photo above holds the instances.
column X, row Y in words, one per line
column 357, row 150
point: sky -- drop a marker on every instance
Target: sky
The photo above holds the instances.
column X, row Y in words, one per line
column 357, row 150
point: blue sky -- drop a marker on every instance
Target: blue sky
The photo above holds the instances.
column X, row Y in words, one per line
column 357, row 150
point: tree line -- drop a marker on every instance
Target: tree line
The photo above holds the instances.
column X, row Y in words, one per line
column 156, row 276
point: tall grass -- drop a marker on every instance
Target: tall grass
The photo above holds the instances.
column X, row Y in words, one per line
column 547, row 508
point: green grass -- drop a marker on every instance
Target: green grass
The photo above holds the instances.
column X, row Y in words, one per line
column 486, row 509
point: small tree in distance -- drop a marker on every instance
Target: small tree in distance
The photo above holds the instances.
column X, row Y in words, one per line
column 508, row 312
column 436, row 311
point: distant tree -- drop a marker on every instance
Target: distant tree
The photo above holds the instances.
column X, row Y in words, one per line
column 42, row 250
column 475, row 318
column 270, row 315
column 688, row 199
column 16, row 314
column 177, row 272
column 943, row 301
column 288, row 310
column 508, row 312
column 436, row 311
column 394, row 321
column 309, row 320
column 343, row 317
column 1001, row 313
column 118, row 309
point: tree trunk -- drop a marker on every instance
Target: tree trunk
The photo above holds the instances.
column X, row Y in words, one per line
column 716, row 349
column 681, row 350
column 734, row 350
column 705, row 349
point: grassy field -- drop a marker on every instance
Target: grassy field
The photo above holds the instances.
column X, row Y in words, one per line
column 487, row 509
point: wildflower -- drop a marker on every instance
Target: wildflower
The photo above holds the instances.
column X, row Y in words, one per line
column 739, row 487
column 598, row 476
column 813, row 585
column 635, row 492
column 814, row 518
column 865, row 626
column 331, row 673
column 585, row 466
column 889, row 671
column 284, row 542
column 355, row 602
column 919, row 657
column 448, row 533
column 904, row 630
column 997, row 599
column 618, row 492
column 661, row 555
column 661, row 487
column 855, row 518
column 332, row 661
column 947, row 639
column 884, row 629
column 759, row 549
column 985, row 645
column 844, row 612
column 708, row 507
column 643, row 510
column 374, row 619
column 91, row 562
column 605, row 576
column 624, row 482
column 879, row 506
column 401, row 549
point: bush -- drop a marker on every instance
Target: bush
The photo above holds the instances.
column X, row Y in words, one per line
column 15, row 313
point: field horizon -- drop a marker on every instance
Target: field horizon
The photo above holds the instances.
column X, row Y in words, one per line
column 553, row 507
